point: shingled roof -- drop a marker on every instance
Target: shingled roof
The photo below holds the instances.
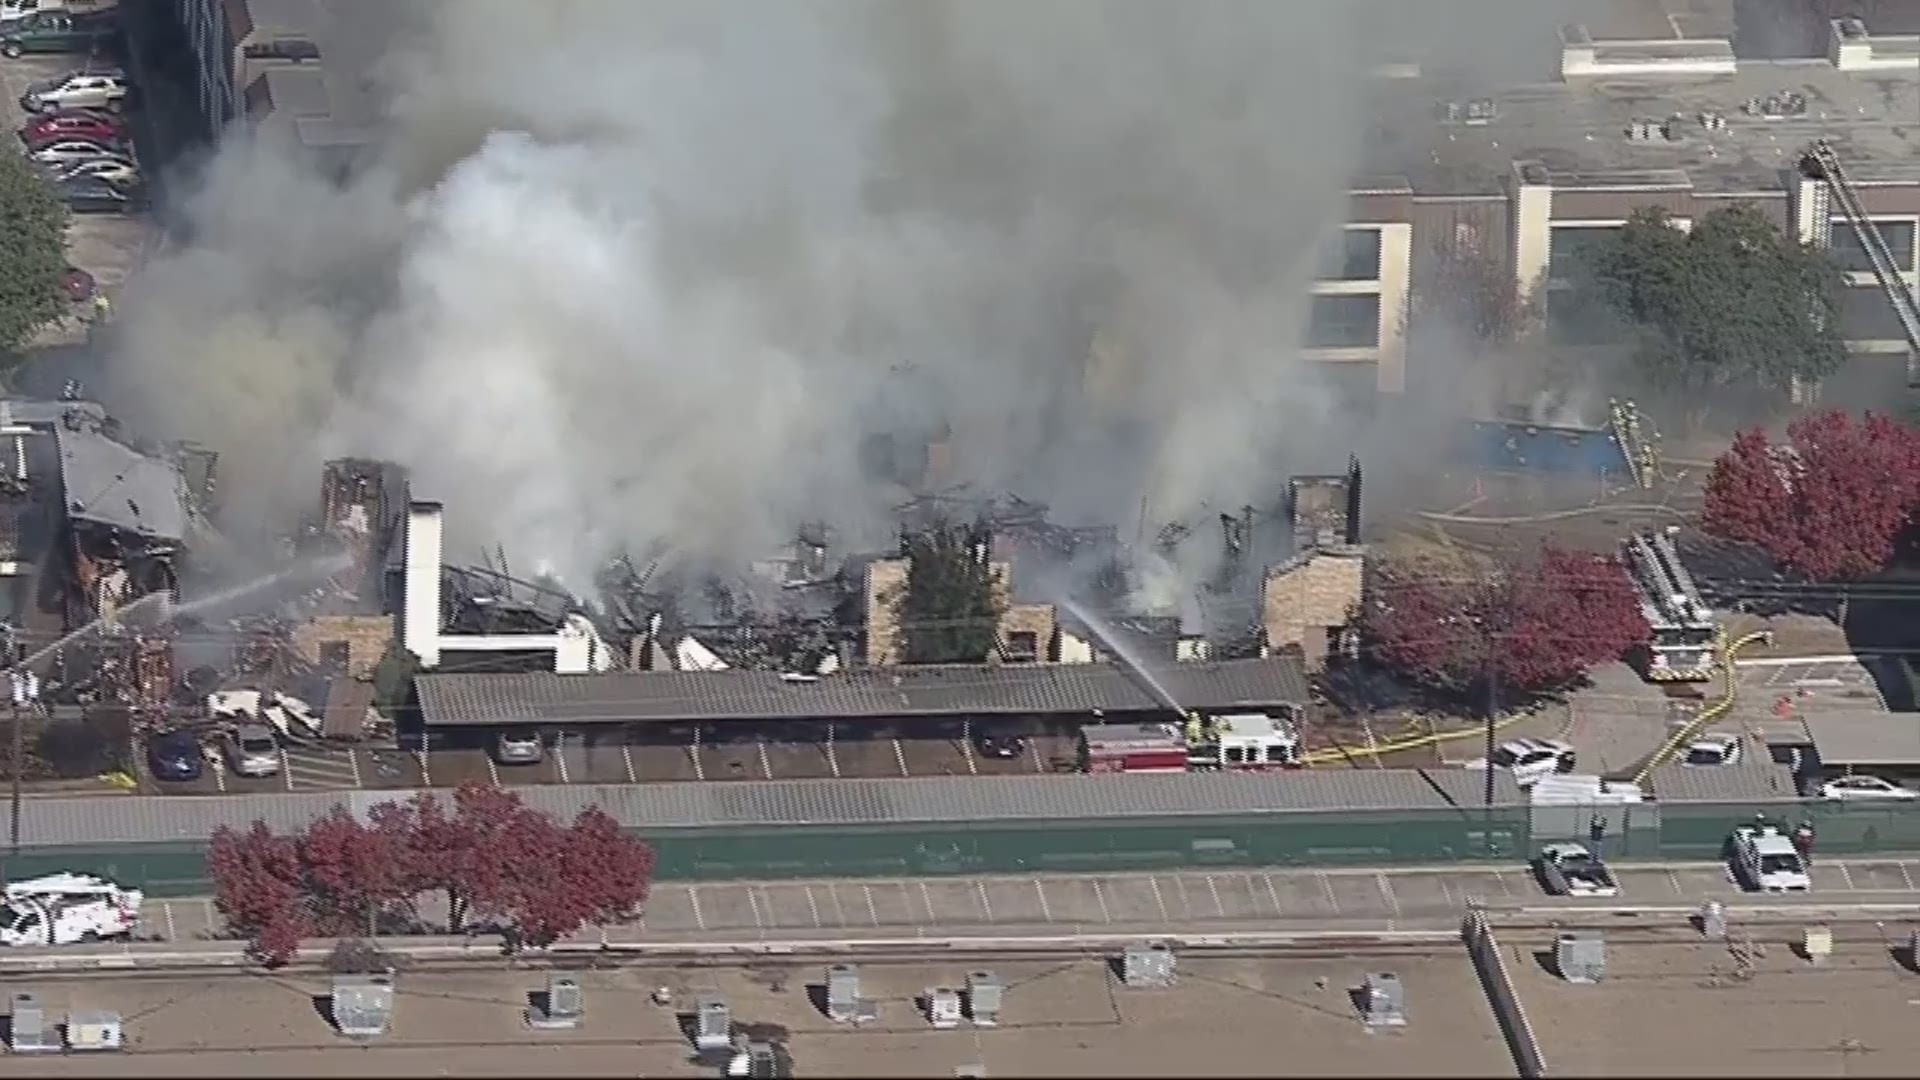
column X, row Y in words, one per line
column 946, row 690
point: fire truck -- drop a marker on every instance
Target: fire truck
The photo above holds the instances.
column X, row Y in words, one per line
column 1237, row 741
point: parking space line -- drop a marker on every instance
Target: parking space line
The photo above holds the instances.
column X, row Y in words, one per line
column 753, row 903
column 1847, row 875
column 813, row 906
column 899, row 755
column 966, row 746
column 1040, row 890
column 693, row 752
column 426, row 775
column 1326, row 886
column 493, row 770
column 839, row 912
column 353, row 761
column 1220, row 909
column 1253, row 894
column 1272, row 893
column 926, row 901
column 212, row 926
column 167, row 908
column 626, row 755
column 1033, row 751
column 693, row 896
column 560, row 756
column 1154, row 880
column 1502, row 879
column 873, row 913
column 1386, row 892
column 1445, row 893
column 985, row 905
column 833, row 759
column 286, row 768
column 1904, row 876
column 1098, row 894
column 766, row 766
column 1674, row 880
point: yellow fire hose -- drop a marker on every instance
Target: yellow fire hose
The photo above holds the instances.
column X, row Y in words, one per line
column 1712, row 712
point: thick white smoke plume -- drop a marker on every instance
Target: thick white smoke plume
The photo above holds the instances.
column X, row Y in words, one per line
column 631, row 271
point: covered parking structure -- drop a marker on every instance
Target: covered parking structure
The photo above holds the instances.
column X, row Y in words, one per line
column 687, row 708
column 1865, row 740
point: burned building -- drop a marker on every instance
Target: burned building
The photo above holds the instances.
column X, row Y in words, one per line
column 362, row 510
column 127, row 518
column 1324, row 511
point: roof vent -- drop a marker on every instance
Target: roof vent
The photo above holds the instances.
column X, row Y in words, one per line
column 1780, row 106
column 1474, row 112
column 558, row 1006
column 983, row 998
column 1383, row 1001
column 28, row 1029
column 1147, row 966
column 1580, row 956
column 712, row 1025
column 362, row 1005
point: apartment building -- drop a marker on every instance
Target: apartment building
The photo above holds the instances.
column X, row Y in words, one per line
column 1544, row 170
column 284, row 64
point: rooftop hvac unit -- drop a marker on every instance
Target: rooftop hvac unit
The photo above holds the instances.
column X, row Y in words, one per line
column 943, row 1007
column 844, row 1003
column 983, row 998
column 1817, row 943
column 1713, row 920
column 362, row 1005
column 92, row 1031
column 1580, row 956
column 712, row 1025
column 1384, row 1001
column 28, row 1031
column 560, row 1005
column 1147, row 966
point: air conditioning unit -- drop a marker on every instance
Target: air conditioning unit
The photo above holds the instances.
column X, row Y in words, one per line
column 943, row 1007
column 362, row 1005
column 1147, row 966
column 1384, row 1001
column 712, row 1025
column 983, row 998
column 1580, row 956
column 560, row 1005
column 28, row 1031
column 90, row 1032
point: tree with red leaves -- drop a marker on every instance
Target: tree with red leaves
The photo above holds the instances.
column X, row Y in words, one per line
column 493, row 858
column 1536, row 627
column 1830, row 503
column 258, row 889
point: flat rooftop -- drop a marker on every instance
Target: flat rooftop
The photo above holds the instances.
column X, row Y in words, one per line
column 1688, row 1008
column 1651, row 20
column 1578, row 128
column 1226, row 1017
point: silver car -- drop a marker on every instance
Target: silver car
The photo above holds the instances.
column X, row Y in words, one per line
column 252, row 750
column 65, row 153
column 518, row 748
column 105, row 89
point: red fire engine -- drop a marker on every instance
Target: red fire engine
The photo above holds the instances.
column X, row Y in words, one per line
column 1241, row 741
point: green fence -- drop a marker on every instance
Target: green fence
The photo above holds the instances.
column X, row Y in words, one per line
column 1324, row 838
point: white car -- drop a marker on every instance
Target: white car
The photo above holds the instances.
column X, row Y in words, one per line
column 1767, row 861
column 64, row 154
column 1865, row 787
column 77, row 90
column 1711, row 750
column 113, row 170
column 1530, row 759
column 251, row 750
column 20, row 9
column 64, row 909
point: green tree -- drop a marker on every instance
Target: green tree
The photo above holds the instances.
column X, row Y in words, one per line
column 393, row 679
column 951, row 610
column 1732, row 300
column 33, row 237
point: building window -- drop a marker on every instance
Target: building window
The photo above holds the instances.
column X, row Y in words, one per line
column 335, row 654
column 1353, row 255
column 1337, row 322
column 1867, row 315
column 1571, row 245
column 285, row 49
column 1023, row 646
column 1581, row 317
column 1897, row 232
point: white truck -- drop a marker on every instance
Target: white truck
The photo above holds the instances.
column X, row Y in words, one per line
column 1765, row 860
column 64, row 909
column 1529, row 760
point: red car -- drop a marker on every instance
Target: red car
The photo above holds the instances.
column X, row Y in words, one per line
column 72, row 125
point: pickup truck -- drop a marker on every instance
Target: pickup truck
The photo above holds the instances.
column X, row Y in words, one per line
column 1572, row 870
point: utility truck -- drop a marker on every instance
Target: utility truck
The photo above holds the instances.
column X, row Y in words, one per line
column 1572, row 870
column 65, row 909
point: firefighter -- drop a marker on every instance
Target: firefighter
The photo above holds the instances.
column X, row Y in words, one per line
column 1195, row 732
column 1803, row 841
column 102, row 308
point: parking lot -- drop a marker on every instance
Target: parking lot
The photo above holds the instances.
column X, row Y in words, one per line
column 107, row 246
column 1172, row 900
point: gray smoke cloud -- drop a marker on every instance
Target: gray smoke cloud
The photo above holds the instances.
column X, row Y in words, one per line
column 632, row 272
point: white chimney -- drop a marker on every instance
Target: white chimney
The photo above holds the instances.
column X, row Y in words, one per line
column 420, row 609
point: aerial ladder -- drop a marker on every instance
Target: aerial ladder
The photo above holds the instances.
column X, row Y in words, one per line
column 1822, row 163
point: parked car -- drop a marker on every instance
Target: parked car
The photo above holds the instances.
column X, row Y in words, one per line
column 174, row 755
column 11, row 10
column 1765, row 860
column 90, row 195
column 1001, row 745
column 1572, row 870
column 74, row 123
column 1529, row 759
column 104, row 88
column 1710, row 750
column 251, row 750
column 65, row 153
column 1865, row 787
column 116, row 170
column 57, row 32
column 518, row 748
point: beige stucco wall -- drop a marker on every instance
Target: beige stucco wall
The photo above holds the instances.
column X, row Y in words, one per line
column 1302, row 599
column 885, row 591
column 366, row 636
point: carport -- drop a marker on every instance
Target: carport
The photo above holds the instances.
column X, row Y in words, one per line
column 707, row 715
column 1856, row 740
